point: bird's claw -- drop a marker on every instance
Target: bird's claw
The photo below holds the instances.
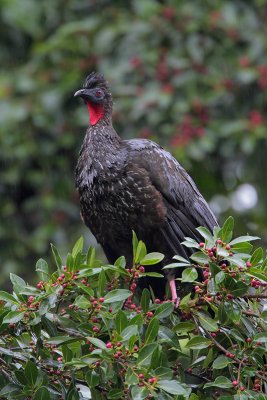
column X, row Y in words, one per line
column 176, row 302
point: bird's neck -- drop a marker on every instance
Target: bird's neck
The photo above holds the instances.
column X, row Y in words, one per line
column 101, row 141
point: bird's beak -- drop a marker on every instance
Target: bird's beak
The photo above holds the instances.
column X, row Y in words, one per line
column 84, row 93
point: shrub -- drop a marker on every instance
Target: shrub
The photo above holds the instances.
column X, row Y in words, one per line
column 87, row 331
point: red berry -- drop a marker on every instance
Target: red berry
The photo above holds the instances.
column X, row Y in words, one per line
column 141, row 376
column 152, row 380
column 149, row 314
column 248, row 264
column 60, row 278
column 157, row 301
column 219, row 241
column 60, row 359
column 101, row 299
column 235, row 383
column 83, row 281
column 118, row 344
column 109, row 345
column 248, row 340
column 228, row 247
column 201, row 244
column 136, row 275
column 96, row 329
column 142, row 269
column 31, row 299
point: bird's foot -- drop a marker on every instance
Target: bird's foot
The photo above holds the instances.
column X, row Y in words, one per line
column 175, row 298
column 176, row 302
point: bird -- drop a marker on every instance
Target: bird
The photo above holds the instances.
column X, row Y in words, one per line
column 135, row 185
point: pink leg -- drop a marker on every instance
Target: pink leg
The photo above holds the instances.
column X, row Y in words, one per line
column 175, row 298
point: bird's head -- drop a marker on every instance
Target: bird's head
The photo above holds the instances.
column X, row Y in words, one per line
column 96, row 95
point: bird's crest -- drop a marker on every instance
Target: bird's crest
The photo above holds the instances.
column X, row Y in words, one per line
column 95, row 79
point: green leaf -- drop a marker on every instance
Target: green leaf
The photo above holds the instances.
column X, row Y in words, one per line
column 67, row 353
column 101, row 283
column 221, row 362
column 206, row 322
column 182, row 259
column 135, row 244
column 82, row 302
column 90, row 257
column 152, row 258
column 156, row 357
column 20, row 375
column 242, row 247
column 4, row 296
column 184, row 327
column 145, row 300
column 42, row 269
column 219, row 278
column 139, row 393
column 166, row 335
column 177, row 265
column 140, row 252
column 13, row 316
column 189, row 275
column 198, row 342
column 92, row 378
column 115, row 394
column 164, row 310
column 152, row 330
column 145, row 354
column 96, row 342
column 121, row 321
column 117, row 295
column 227, row 230
column 174, row 387
column 257, row 273
column 56, row 257
column 260, row 337
column 242, row 239
column 221, row 382
column 205, row 233
column 120, row 262
column 18, row 283
column 163, row 373
column 31, row 372
column 199, row 257
column 154, row 274
column 191, row 243
column 257, row 256
column 184, row 301
column 128, row 332
column 42, row 394
column 78, row 247
column 57, row 340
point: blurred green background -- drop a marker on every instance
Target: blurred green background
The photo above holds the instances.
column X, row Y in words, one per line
column 191, row 75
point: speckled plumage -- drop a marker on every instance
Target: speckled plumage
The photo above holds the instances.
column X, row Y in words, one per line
column 127, row 185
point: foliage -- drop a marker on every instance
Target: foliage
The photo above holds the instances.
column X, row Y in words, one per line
column 86, row 331
column 190, row 75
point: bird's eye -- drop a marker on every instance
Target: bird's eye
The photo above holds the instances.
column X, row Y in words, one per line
column 99, row 93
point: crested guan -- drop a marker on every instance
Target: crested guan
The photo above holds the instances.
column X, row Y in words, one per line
column 127, row 185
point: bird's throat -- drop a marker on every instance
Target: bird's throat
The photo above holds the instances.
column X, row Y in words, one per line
column 96, row 112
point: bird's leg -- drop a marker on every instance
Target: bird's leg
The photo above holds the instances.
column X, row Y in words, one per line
column 175, row 298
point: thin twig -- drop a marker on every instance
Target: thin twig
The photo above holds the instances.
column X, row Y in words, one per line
column 255, row 296
column 250, row 313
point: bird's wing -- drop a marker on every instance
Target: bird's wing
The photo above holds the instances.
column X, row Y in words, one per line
column 187, row 209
